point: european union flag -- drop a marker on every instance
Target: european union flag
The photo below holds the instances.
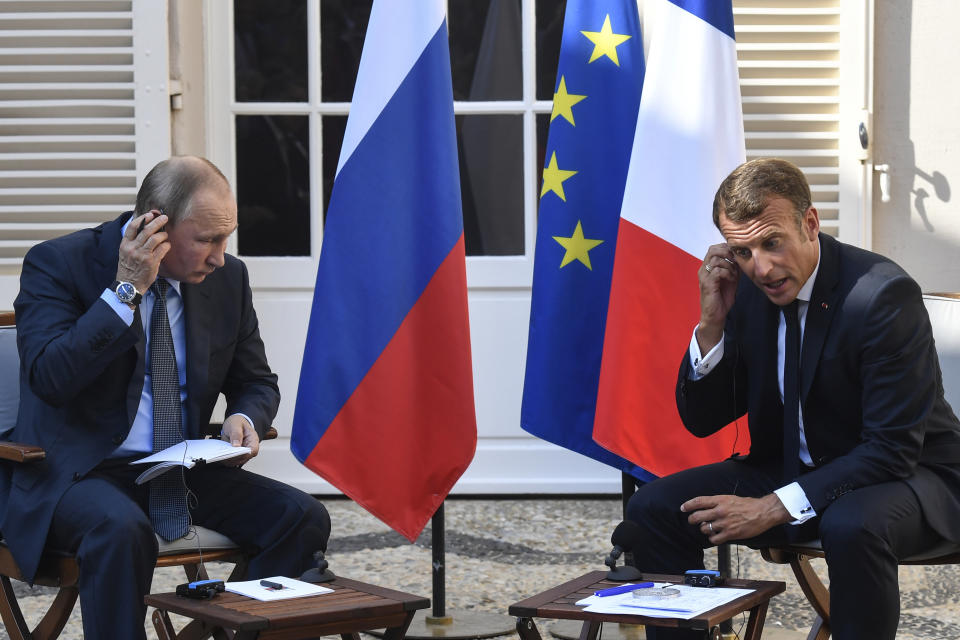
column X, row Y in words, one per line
column 599, row 79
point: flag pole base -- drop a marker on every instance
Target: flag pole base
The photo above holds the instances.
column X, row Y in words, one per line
column 570, row 630
column 458, row 625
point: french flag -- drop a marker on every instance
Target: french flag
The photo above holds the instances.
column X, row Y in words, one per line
column 385, row 409
column 689, row 136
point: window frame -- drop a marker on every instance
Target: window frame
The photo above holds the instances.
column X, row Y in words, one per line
column 222, row 108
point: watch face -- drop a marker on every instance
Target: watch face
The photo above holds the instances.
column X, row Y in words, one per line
column 126, row 292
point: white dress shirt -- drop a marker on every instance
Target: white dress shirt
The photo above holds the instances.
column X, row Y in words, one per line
column 792, row 495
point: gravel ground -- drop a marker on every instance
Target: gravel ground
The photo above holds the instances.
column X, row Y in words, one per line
column 502, row 551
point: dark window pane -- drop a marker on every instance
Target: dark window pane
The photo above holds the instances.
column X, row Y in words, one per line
column 549, row 34
column 270, row 50
column 485, row 49
column 273, row 185
column 333, row 128
column 543, row 128
column 491, row 181
column 343, row 24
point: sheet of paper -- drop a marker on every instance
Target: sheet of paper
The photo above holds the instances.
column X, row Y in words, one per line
column 292, row 588
column 691, row 602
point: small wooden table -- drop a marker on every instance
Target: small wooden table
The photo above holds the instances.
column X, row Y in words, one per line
column 559, row 603
column 353, row 607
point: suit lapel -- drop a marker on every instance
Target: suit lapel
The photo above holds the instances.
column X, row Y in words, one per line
column 823, row 304
column 198, row 347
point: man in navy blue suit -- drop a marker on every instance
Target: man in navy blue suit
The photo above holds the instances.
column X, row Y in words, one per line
column 84, row 317
column 829, row 351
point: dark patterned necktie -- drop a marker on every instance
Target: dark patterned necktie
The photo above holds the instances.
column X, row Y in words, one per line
column 791, row 394
column 168, row 499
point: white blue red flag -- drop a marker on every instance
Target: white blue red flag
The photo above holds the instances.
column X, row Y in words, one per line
column 385, row 409
column 689, row 136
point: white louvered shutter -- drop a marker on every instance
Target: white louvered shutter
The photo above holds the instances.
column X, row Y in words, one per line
column 804, row 81
column 84, row 113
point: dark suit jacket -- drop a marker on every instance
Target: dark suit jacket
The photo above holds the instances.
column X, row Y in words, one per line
column 870, row 386
column 82, row 371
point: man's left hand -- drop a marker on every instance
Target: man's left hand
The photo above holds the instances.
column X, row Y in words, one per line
column 240, row 433
column 725, row 518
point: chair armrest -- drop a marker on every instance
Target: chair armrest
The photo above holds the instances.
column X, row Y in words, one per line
column 18, row 452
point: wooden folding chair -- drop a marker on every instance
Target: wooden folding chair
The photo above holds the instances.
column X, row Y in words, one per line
column 59, row 569
column 944, row 311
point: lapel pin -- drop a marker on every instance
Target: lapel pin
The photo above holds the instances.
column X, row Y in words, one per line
column 825, row 306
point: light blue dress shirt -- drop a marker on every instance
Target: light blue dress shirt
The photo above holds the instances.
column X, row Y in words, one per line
column 140, row 438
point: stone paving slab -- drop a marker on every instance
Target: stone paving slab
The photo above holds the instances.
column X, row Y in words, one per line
column 502, row 551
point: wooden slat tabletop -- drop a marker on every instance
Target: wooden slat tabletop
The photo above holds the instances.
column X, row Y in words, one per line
column 559, row 602
column 359, row 605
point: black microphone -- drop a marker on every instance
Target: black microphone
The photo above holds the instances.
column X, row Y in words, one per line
column 624, row 538
column 313, row 537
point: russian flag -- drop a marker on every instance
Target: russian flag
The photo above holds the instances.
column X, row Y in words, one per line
column 385, row 409
column 689, row 136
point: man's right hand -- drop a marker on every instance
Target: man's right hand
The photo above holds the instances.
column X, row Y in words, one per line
column 141, row 250
column 718, row 276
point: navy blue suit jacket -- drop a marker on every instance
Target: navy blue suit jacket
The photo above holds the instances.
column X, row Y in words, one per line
column 82, row 371
column 870, row 386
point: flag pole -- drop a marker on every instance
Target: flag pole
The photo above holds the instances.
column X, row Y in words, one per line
column 454, row 625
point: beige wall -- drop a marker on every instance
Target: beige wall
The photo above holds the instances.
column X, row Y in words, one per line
column 917, row 132
column 186, row 66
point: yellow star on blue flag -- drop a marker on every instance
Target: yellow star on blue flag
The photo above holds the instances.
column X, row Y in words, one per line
column 605, row 41
column 563, row 102
column 553, row 178
column 577, row 247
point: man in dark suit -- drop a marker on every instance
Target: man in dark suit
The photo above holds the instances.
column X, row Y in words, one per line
column 852, row 441
column 91, row 334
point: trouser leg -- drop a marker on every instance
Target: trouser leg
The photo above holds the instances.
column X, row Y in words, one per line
column 115, row 547
column 864, row 533
column 668, row 543
column 280, row 525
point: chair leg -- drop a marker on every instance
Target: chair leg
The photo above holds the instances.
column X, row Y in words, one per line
column 195, row 571
column 53, row 621
column 817, row 594
column 819, row 630
column 13, row 620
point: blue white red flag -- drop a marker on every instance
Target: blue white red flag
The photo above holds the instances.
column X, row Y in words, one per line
column 599, row 77
column 689, row 136
column 385, row 409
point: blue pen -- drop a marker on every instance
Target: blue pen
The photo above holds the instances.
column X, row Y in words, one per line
column 612, row 591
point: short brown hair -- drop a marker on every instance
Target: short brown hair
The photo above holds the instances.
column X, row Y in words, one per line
column 745, row 193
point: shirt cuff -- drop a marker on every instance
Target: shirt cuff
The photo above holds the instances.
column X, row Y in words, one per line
column 796, row 503
column 702, row 365
column 245, row 417
column 122, row 309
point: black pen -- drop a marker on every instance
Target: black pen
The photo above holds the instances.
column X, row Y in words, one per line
column 270, row 585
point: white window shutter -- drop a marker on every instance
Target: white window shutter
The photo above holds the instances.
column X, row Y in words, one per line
column 792, row 55
column 84, row 113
